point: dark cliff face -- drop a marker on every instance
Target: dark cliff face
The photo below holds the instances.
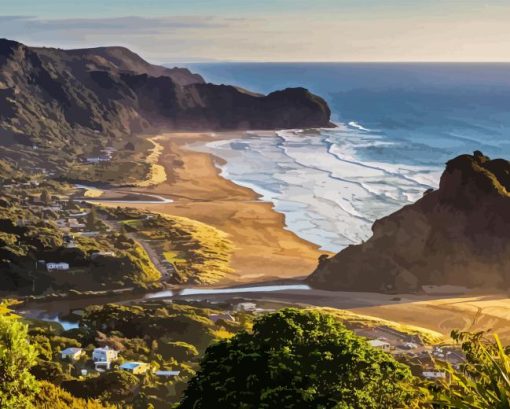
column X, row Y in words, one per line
column 456, row 235
column 59, row 98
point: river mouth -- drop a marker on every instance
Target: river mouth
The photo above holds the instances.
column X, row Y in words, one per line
column 58, row 311
column 233, row 290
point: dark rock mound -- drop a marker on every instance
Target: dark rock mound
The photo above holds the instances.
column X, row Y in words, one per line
column 456, row 235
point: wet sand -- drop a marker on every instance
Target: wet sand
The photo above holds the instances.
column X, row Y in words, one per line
column 264, row 249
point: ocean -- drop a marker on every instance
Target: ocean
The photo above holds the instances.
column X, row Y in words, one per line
column 397, row 126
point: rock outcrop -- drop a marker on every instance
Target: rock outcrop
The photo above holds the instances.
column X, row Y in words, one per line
column 456, row 235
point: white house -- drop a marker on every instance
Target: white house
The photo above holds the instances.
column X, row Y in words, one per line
column 379, row 344
column 246, row 306
column 71, row 353
column 103, row 357
column 167, row 374
column 57, row 266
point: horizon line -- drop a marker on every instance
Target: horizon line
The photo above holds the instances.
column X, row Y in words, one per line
column 184, row 61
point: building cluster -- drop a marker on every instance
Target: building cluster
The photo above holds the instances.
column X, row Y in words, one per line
column 105, row 358
column 423, row 359
column 105, row 155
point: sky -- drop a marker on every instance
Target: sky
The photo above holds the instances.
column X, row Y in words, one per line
column 166, row 31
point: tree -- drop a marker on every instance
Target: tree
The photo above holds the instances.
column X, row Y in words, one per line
column 45, row 197
column 299, row 359
column 483, row 380
column 17, row 385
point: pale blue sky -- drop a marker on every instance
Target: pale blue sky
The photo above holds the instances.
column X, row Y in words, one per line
column 270, row 30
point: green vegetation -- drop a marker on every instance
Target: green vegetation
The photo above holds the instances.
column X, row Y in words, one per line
column 200, row 254
column 166, row 336
column 53, row 397
column 20, row 354
column 17, row 356
column 35, row 229
column 117, row 172
column 299, row 359
column 483, row 381
column 289, row 359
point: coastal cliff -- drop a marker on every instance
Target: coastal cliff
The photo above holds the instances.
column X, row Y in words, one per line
column 70, row 98
column 456, row 235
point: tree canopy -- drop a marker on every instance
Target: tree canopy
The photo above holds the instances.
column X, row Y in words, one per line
column 299, row 359
column 17, row 356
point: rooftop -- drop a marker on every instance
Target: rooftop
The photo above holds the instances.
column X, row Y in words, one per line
column 131, row 365
column 71, row 350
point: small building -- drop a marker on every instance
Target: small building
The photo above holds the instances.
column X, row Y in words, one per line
column 167, row 374
column 72, row 353
column 89, row 233
column 57, row 266
column 102, row 254
column 380, row 344
column 97, row 159
column 103, row 357
column 78, row 214
column 434, row 375
column 222, row 316
column 246, row 306
column 136, row 368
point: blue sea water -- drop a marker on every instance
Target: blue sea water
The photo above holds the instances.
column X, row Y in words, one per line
column 397, row 126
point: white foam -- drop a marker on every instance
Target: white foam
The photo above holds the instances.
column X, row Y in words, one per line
column 316, row 178
column 358, row 126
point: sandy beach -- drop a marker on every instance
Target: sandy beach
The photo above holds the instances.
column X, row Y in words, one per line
column 264, row 248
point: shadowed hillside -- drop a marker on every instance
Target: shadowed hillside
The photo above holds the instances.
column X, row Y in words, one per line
column 75, row 102
column 456, row 235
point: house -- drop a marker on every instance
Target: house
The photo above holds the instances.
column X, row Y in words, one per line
column 246, row 306
column 57, row 266
column 380, row 344
column 78, row 214
column 102, row 254
column 72, row 354
column 103, row 358
column 434, row 375
column 97, row 159
column 167, row 374
column 223, row 316
column 409, row 345
column 90, row 233
column 136, row 368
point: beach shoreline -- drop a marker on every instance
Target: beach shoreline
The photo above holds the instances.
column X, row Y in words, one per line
column 264, row 248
